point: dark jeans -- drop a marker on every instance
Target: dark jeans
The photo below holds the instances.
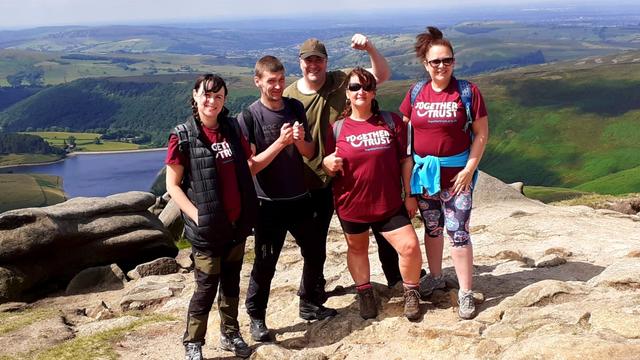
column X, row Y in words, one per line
column 209, row 271
column 322, row 205
column 275, row 218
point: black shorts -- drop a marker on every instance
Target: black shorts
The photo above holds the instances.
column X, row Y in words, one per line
column 393, row 222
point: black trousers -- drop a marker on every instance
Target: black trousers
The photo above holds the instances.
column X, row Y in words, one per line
column 210, row 271
column 275, row 218
column 322, row 205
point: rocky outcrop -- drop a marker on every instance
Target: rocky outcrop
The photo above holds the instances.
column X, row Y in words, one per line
column 97, row 278
column 151, row 291
column 160, row 266
column 51, row 244
column 553, row 283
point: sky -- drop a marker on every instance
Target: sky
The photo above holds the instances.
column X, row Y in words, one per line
column 32, row 13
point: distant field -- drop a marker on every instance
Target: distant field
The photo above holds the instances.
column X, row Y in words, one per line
column 552, row 194
column 59, row 69
column 29, row 190
column 84, row 141
column 21, row 159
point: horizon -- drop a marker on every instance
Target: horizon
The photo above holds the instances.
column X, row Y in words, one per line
column 27, row 14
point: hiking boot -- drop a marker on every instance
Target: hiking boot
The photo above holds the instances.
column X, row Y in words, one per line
column 429, row 283
column 259, row 330
column 234, row 342
column 466, row 306
column 311, row 311
column 193, row 351
column 411, row 304
column 368, row 307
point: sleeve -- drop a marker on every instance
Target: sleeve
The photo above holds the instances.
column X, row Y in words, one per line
column 400, row 136
column 329, row 142
column 246, row 147
column 244, row 128
column 477, row 103
column 174, row 155
column 405, row 106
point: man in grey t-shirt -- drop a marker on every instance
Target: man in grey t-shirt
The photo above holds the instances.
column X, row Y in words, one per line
column 278, row 133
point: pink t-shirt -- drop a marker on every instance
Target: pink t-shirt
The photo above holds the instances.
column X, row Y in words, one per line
column 438, row 120
column 225, row 167
column 370, row 189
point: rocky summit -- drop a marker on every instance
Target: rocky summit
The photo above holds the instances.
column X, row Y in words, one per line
column 551, row 282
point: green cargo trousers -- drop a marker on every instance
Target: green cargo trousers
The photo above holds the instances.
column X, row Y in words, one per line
column 208, row 272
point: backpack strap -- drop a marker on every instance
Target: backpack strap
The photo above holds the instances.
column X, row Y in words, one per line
column 386, row 115
column 409, row 151
column 182, row 132
column 415, row 90
column 465, row 95
column 247, row 117
column 337, row 126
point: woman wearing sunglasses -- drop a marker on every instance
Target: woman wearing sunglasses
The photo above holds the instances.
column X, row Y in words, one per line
column 446, row 151
column 368, row 159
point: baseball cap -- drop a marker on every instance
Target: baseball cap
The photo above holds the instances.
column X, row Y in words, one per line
column 312, row 47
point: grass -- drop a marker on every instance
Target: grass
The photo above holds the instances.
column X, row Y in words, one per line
column 84, row 141
column 12, row 321
column 595, row 201
column 552, row 194
column 21, row 159
column 97, row 346
column 29, row 190
column 621, row 182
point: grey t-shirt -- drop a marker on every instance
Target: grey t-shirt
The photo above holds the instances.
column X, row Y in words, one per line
column 283, row 178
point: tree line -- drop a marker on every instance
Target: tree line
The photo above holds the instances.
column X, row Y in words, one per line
column 12, row 143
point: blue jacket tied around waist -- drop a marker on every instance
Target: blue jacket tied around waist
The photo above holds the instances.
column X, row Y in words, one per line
column 426, row 171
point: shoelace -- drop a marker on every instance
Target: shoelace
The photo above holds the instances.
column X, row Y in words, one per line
column 412, row 295
column 467, row 300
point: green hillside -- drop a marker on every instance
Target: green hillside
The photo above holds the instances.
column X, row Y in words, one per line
column 622, row 182
column 147, row 104
column 564, row 124
column 29, row 190
column 561, row 124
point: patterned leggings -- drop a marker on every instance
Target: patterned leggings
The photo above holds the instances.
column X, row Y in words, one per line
column 457, row 211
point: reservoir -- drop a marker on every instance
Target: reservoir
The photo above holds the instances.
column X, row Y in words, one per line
column 102, row 174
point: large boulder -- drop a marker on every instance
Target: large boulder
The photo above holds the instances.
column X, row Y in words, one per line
column 490, row 190
column 51, row 244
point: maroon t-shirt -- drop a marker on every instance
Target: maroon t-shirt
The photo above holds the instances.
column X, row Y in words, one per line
column 438, row 120
column 225, row 167
column 370, row 189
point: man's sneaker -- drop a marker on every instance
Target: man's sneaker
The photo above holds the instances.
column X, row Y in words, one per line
column 411, row 304
column 311, row 311
column 466, row 306
column 234, row 342
column 258, row 329
column 368, row 307
column 429, row 283
column 193, row 351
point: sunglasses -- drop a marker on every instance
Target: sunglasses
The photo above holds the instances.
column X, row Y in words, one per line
column 436, row 62
column 357, row 87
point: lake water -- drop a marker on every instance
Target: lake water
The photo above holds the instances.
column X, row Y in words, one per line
column 102, row 174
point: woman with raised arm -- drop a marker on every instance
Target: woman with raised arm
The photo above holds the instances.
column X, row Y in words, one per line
column 448, row 128
column 368, row 159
